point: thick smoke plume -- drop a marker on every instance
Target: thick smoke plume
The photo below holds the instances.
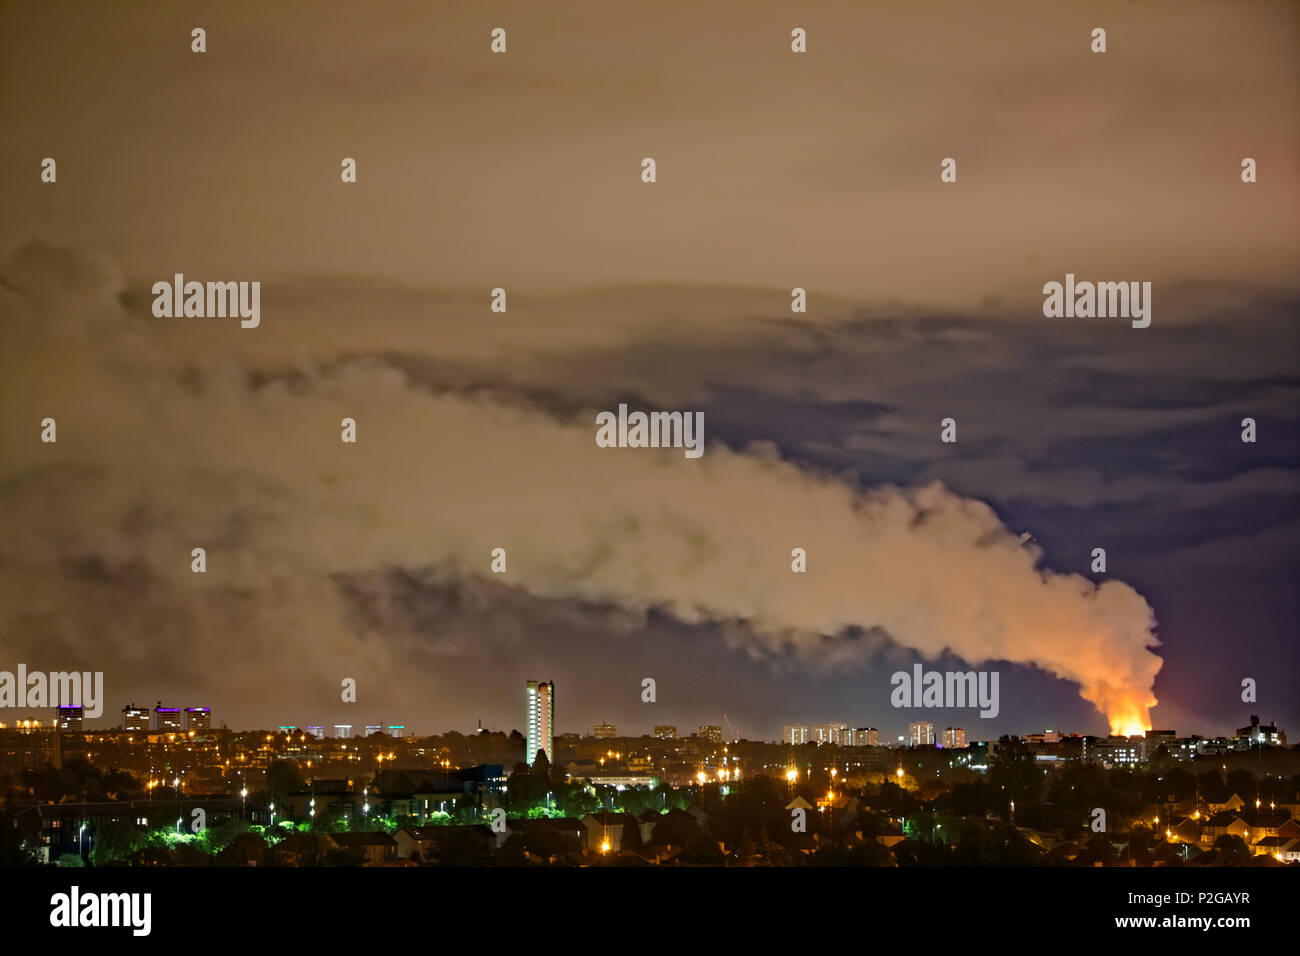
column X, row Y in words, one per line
column 165, row 443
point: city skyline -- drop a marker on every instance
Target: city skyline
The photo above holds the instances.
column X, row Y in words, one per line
column 537, row 729
column 392, row 475
column 878, row 424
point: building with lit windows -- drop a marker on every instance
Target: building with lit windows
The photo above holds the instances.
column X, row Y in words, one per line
column 794, row 735
column 954, row 738
column 169, row 718
column 1117, row 750
column 135, row 718
column 665, row 732
column 606, row 731
column 539, row 718
column 920, row 733
column 829, row 733
column 711, row 732
column 199, row 718
column 70, row 718
column 1261, row 734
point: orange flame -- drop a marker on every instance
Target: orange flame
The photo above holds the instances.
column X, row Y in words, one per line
column 1130, row 718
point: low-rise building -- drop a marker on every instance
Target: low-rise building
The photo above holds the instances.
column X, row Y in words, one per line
column 374, row 848
column 605, row 831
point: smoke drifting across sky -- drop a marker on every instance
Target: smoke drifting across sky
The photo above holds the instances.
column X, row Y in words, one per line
column 775, row 170
column 165, row 446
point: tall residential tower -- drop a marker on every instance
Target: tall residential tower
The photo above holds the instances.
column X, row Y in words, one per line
column 539, row 716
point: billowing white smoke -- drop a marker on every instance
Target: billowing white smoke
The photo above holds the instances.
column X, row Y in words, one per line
column 162, row 449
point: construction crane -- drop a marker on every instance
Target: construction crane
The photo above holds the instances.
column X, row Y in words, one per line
column 735, row 734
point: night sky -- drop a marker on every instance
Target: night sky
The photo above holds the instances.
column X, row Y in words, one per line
column 476, row 429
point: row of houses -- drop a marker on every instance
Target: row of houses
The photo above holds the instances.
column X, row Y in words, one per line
column 1273, row 833
column 597, row 833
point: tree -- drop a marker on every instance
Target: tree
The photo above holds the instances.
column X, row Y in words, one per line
column 575, row 801
column 773, row 854
column 283, row 778
column 702, row 849
column 931, row 790
column 1162, row 759
column 462, row 848
column 747, row 849
column 991, row 843
column 151, row 854
column 189, row 854
column 244, row 850
column 1233, row 849
column 217, row 838
column 116, row 841
column 297, row 849
column 330, row 820
column 675, row 830
column 12, row 851
column 1013, row 769
column 1142, row 843
column 541, row 765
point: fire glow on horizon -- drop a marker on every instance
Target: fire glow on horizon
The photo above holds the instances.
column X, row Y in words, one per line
column 1131, row 720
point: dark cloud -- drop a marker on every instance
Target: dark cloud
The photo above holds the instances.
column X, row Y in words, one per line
column 521, row 171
